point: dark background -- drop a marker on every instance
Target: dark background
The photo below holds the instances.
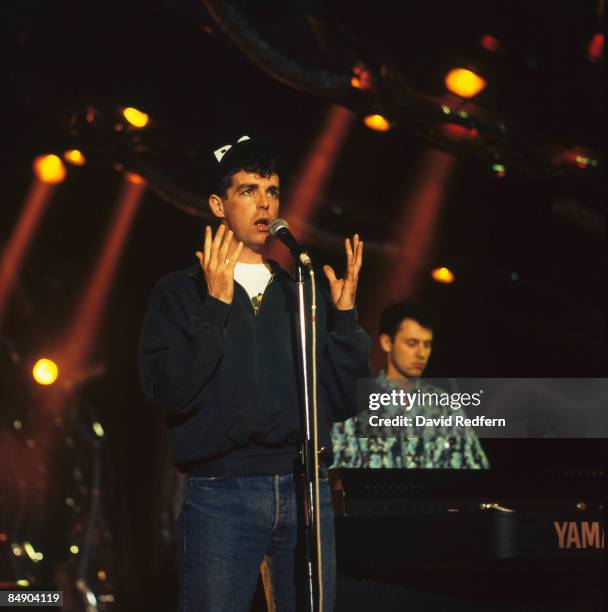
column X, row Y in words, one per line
column 171, row 59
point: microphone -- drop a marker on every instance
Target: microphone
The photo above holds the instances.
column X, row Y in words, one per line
column 279, row 228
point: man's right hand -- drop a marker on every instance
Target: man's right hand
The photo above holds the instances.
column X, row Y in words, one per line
column 217, row 260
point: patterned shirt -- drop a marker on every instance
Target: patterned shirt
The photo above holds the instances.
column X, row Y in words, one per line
column 435, row 447
column 256, row 302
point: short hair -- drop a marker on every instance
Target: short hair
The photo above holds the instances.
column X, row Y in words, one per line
column 394, row 314
column 263, row 164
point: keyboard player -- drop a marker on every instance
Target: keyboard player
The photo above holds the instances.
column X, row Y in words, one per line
column 406, row 337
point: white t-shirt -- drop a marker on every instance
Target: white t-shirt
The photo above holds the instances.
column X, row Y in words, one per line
column 252, row 277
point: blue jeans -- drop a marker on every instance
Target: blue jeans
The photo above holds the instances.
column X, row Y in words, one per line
column 227, row 525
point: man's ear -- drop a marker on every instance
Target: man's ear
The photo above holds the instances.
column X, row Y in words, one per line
column 386, row 343
column 217, row 206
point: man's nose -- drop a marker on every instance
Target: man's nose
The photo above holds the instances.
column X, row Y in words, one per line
column 264, row 201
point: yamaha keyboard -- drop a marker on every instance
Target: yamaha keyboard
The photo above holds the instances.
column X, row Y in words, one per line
column 406, row 515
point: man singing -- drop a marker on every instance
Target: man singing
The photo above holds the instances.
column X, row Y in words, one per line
column 221, row 358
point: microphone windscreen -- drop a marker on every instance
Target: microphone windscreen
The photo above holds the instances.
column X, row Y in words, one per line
column 277, row 225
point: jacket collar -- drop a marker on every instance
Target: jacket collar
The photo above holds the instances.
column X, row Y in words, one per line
column 195, row 270
column 283, row 277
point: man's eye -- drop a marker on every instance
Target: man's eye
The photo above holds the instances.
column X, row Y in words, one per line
column 274, row 193
column 412, row 343
column 247, row 191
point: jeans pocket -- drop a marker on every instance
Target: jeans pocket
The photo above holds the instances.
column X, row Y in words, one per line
column 207, row 482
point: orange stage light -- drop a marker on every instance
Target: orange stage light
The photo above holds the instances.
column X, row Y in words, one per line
column 45, row 372
column 135, row 117
column 443, row 275
column 74, row 157
column 377, row 122
column 134, row 178
column 84, row 328
column 412, row 234
column 49, row 169
column 464, row 83
column 312, row 176
column 415, row 229
column 16, row 248
column 362, row 77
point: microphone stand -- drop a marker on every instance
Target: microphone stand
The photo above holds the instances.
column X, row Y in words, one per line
column 309, row 456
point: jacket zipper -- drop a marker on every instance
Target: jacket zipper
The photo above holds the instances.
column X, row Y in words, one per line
column 255, row 314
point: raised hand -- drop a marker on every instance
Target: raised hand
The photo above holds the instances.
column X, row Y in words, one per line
column 219, row 256
column 343, row 290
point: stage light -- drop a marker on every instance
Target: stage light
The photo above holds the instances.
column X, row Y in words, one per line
column 69, row 502
column 17, row 424
column 98, row 429
column 134, row 178
column 17, row 550
column 489, row 43
column 595, row 50
column 74, row 157
column 581, row 157
column 414, row 229
column 464, row 83
column 135, row 117
column 23, row 583
column 313, row 174
column 499, row 169
column 31, row 553
column 443, row 275
column 412, row 233
column 49, row 169
column 29, row 550
column 83, row 330
column 91, row 599
column 74, row 549
column 457, row 132
column 101, row 575
column 377, row 122
column 584, row 162
column 362, row 77
column 45, row 372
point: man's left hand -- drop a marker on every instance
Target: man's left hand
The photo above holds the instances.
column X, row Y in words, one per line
column 343, row 290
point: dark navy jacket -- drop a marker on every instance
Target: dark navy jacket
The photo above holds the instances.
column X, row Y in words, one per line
column 227, row 378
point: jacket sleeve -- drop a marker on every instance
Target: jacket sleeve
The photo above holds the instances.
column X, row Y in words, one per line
column 346, row 360
column 179, row 350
